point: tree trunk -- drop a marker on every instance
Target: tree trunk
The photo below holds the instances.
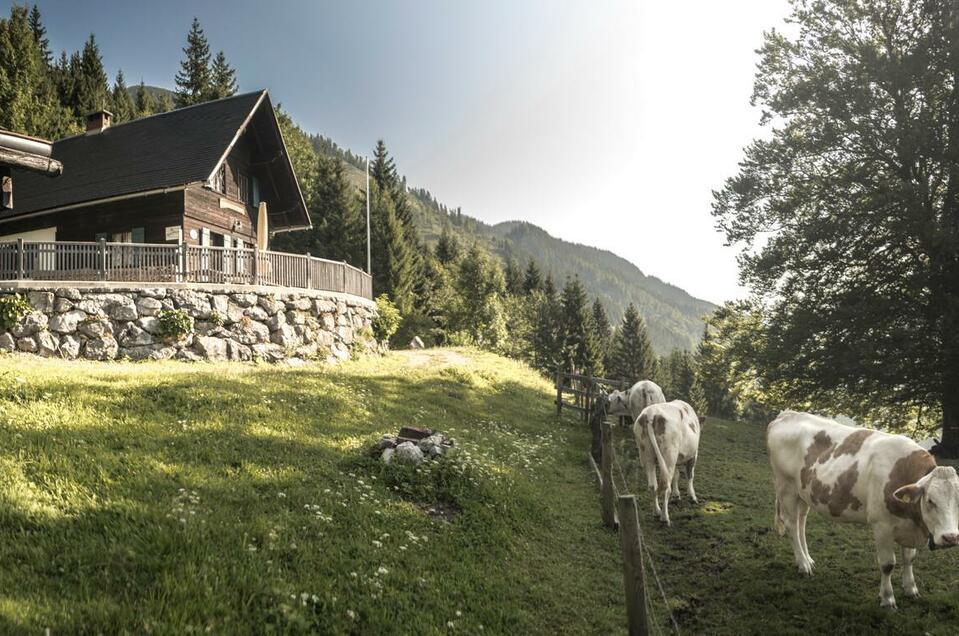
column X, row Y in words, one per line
column 948, row 447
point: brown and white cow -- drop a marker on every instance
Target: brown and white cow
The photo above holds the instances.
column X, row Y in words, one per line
column 633, row 400
column 667, row 435
column 859, row 475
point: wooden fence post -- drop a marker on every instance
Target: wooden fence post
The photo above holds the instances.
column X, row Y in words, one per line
column 607, row 493
column 309, row 271
column 559, row 393
column 182, row 264
column 20, row 268
column 103, row 258
column 634, row 575
column 256, row 264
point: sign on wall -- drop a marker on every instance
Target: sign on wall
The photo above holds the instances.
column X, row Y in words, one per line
column 172, row 233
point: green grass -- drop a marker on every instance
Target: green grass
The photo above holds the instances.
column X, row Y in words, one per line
column 176, row 498
column 726, row 571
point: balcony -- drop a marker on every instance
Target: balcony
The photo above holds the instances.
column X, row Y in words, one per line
column 162, row 263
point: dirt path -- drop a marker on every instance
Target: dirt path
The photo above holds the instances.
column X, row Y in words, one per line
column 433, row 357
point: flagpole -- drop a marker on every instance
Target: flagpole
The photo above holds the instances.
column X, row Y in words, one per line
column 368, row 259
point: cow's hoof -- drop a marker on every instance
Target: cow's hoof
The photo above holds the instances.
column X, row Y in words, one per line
column 889, row 605
column 912, row 593
column 805, row 568
column 694, row 500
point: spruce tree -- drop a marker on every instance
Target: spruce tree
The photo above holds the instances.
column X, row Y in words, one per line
column 164, row 103
column 480, row 286
column 193, row 82
column 28, row 98
column 547, row 329
column 40, row 36
column 533, row 278
column 632, row 358
column 602, row 331
column 579, row 350
column 514, row 277
column 448, row 247
column 393, row 272
column 93, row 92
column 123, row 107
column 145, row 104
column 222, row 78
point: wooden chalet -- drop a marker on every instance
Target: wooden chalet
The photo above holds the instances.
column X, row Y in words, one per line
column 194, row 175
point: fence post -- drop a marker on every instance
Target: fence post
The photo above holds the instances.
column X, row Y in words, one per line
column 256, row 264
column 634, row 574
column 607, row 493
column 182, row 264
column 21, row 274
column 343, row 269
column 559, row 393
column 309, row 271
column 102, row 252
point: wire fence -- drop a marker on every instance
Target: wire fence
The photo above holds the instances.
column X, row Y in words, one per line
column 637, row 557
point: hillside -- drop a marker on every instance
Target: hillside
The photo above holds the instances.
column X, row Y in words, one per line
column 673, row 317
column 156, row 92
column 174, row 498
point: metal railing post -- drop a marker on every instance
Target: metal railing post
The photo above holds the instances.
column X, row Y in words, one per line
column 20, row 270
column 102, row 253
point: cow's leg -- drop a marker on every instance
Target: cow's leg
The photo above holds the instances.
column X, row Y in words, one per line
column 886, row 557
column 791, row 502
column 690, row 475
column 908, row 580
column 667, row 479
column 653, row 485
column 676, row 482
column 801, row 528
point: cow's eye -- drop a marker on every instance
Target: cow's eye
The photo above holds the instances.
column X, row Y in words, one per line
column 932, row 504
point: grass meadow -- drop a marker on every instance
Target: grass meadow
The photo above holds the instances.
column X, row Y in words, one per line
column 175, row 498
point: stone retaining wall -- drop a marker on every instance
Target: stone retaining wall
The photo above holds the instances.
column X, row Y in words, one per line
column 110, row 321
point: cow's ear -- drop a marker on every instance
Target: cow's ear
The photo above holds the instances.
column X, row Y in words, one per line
column 702, row 420
column 909, row 494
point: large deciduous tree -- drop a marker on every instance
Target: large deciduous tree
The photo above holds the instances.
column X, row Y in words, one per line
column 848, row 211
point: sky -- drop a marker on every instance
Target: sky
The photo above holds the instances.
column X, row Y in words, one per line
column 606, row 122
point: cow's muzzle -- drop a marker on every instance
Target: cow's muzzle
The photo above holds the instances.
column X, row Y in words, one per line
column 947, row 541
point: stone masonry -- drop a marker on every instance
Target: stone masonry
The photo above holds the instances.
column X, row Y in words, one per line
column 110, row 321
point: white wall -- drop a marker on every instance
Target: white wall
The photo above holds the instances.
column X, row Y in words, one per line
column 43, row 234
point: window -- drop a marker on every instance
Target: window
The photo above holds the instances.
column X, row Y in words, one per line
column 256, row 191
column 205, row 237
column 243, row 187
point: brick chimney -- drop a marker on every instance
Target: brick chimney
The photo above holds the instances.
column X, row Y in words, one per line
column 98, row 121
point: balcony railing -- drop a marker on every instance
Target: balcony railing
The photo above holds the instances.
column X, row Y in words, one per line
column 158, row 263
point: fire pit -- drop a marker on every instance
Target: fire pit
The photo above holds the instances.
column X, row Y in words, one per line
column 413, row 445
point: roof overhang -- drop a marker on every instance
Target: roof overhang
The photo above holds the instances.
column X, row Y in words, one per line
column 28, row 153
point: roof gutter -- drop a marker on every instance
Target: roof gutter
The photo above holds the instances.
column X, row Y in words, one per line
column 121, row 197
column 30, row 145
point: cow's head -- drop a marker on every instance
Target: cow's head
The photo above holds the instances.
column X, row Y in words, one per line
column 618, row 403
column 938, row 497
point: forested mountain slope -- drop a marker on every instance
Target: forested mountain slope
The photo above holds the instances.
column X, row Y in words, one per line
column 673, row 317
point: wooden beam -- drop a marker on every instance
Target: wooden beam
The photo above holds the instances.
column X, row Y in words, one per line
column 27, row 161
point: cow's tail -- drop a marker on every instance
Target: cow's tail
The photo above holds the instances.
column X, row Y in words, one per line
column 778, row 521
column 655, row 444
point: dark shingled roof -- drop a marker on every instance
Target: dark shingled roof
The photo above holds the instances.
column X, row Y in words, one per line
column 167, row 150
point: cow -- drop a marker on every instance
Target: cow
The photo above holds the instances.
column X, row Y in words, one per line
column 667, row 435
column 633, row 400
column 860, row 475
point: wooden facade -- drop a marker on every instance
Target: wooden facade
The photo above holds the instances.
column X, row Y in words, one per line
column 225, row 158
